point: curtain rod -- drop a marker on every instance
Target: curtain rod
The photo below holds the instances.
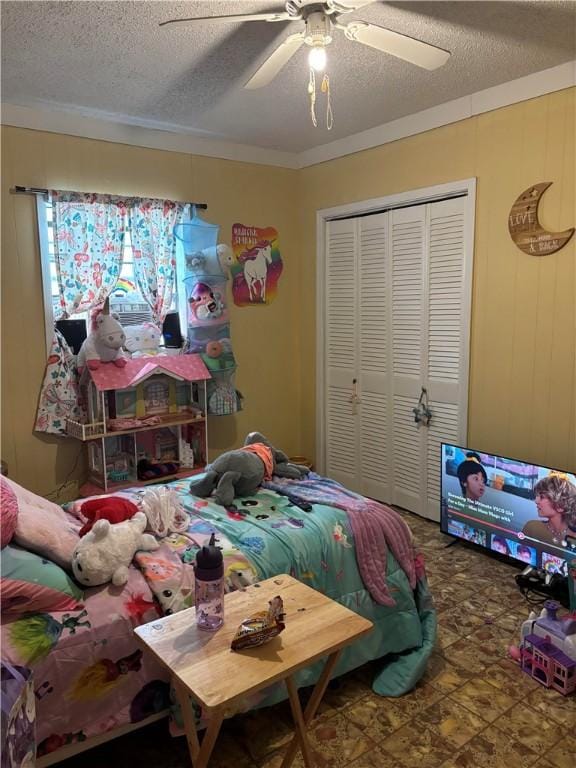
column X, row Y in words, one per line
column 16, row 190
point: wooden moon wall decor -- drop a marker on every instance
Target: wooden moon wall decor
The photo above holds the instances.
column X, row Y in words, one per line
column 526, row 230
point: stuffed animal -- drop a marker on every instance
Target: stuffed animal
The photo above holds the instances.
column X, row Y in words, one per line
column 164, row 512
column 105, row 553
column 104, row 343
column 241, row 472
column 115, row 509
column 210, row 261
column 143, row 340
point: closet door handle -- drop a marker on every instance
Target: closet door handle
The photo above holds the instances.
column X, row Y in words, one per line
column 354, row 400
column 354, row 394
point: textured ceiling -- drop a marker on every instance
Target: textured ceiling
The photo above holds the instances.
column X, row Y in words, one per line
column 111, row 60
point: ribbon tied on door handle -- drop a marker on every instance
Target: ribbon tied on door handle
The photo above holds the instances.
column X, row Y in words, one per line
column 422, row 412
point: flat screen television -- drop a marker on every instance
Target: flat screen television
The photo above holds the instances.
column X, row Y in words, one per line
column 522, row 511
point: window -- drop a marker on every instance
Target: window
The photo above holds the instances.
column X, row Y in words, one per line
column 126, row 299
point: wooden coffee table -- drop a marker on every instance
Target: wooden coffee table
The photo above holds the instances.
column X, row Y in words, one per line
column 203, row 666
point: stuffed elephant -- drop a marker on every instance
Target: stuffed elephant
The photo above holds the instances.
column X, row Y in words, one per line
column 241, row 472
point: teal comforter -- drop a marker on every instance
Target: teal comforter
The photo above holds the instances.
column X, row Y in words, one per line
column 317, row 547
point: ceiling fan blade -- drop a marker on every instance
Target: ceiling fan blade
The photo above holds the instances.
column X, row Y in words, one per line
column 346, row 6
column 404, row 47
column 274, row 63
column 280, row 16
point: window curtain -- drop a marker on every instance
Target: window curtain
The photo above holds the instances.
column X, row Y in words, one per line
column 152, row 225
column 88, row 238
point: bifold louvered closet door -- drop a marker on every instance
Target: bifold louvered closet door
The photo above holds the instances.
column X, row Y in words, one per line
column 395, row 321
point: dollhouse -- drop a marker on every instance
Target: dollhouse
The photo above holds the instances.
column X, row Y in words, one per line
column 144, row 422
column 548, row 649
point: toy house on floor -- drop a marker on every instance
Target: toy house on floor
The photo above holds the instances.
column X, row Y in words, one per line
column 548, row 649
column 145, row 422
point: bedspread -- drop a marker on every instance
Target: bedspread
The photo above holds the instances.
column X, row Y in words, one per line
column 90, row 675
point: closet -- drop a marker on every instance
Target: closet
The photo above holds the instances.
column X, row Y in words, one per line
column 395, row 321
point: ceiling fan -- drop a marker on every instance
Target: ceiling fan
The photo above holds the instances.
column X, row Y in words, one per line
column 321, row 19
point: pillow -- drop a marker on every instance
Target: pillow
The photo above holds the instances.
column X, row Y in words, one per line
column 44, row 528
column 8, row 512
column 31, row 584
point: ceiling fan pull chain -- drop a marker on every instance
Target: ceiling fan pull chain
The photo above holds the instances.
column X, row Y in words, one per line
column 312, row 92
column 325, row 88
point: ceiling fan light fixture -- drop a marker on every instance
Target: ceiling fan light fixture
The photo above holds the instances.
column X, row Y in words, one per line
column 317, row 58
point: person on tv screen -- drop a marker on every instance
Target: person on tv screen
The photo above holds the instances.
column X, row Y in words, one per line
column 472, row 477
column 499, row 545
column 524, row 553
column 555, row 498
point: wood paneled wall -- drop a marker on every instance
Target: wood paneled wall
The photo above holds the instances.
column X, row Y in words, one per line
column 522, row 396
column 265, row 344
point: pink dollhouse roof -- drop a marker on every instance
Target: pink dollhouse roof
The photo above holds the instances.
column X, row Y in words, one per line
column 187, row 367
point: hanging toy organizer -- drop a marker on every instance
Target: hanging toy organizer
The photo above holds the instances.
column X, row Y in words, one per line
column 208, row 321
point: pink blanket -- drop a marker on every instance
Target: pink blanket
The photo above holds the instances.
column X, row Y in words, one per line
column 90, row 675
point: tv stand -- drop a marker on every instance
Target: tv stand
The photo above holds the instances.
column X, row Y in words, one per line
column 452, row 543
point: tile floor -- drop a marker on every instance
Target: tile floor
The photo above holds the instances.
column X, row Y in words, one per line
column 473, row 709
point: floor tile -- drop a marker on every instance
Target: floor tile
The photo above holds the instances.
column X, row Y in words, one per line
column 264, row 731
column 417, row 699
column 483, row 699
column 492, row 749
column 563, row 755
column 344, row 692
column 550, row 703
column 526, row 725
column 510, row 679
column 491, row 632
column 482, row 606
column 455, row 724
column 461, row 621
column 412, row 745
column 334, row 743
column 449, row 678
column 445, row 637
column 471, row 657
column 512, row 621
column 377, row 716
column 339, row 741
column 376, row 758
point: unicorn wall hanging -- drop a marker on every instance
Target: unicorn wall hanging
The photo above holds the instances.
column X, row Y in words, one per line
column 257, row 266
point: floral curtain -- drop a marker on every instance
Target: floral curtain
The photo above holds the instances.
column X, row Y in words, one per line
column 88, row 239
column 59, row 395
column 152, row 225
column 89, row 234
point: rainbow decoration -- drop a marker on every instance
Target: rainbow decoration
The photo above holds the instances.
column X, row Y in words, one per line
column 124, row 286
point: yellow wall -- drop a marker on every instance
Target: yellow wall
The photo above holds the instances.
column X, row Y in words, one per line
column 522, row 397
column 523, row 346
column 265, row 342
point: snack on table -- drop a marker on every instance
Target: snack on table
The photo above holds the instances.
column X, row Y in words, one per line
column 260, row 627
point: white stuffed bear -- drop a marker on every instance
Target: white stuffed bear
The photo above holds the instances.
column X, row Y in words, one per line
column 105, row 553
column 104, row 344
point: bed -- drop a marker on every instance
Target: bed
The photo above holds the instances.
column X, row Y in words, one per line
column 92, row 681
